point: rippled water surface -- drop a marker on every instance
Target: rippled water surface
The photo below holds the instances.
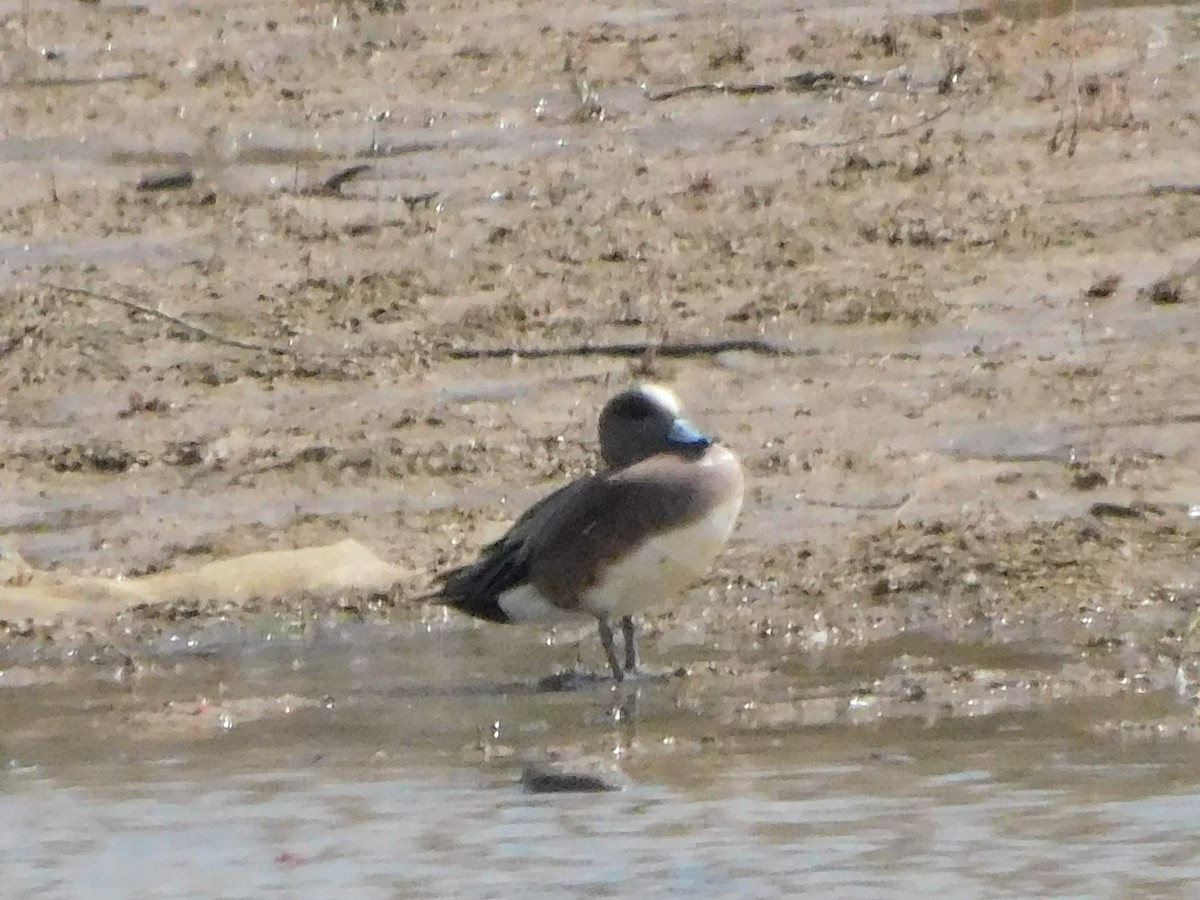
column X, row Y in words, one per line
column 404, row 778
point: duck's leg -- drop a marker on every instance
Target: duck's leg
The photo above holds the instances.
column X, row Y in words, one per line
column 629, row 632
column 606, row 638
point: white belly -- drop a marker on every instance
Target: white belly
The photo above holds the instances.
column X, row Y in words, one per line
column 662, row 566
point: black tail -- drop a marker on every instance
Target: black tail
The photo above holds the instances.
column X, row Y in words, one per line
column 475, row 589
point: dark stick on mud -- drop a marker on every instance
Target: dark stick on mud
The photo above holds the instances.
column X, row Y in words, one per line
column 868, row 138
column 167, row 181
column 802, row 81
column 1167, row 190
column 74, row 82
column 379, row 151
column 412, row 201
column 333, row 184
column 806, row 81
column 636, row 349
column 1155, row 190
column 198, row 330
column 864, row 507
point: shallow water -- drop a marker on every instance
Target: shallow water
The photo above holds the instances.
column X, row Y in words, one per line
column 387, row 760
column 398, row 772
column 855, row 830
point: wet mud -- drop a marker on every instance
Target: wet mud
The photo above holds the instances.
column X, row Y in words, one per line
column 302, row 304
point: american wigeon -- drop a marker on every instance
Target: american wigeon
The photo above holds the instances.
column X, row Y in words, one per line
column 611, row 544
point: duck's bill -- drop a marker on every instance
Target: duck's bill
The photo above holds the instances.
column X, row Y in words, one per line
column 684, row 434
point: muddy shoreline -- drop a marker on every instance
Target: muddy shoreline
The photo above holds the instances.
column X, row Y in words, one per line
column 978, row 254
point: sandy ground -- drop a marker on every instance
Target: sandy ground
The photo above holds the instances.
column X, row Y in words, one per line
column 972, row 420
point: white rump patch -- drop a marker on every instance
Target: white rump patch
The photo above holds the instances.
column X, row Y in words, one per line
column 527, row 604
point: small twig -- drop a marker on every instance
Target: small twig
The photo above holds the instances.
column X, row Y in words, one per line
column 1061, row 129
column 332, row 187
column 73, row 82
column 1165, row 190
column 167, row 181
column 195, row 329
column 9, row 344
column 412, row 201
column 862, row 139
column 359, row 229
column 636, row 349
column 1107, row 510
column 802, row 81
column 1191, row 418
column 333, row 184
column 1073, row 143
column 378, row 151
column 868, row 507
column 1156, row 190
column 712, row 87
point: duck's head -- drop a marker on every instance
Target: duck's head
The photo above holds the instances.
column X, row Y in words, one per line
column 644, row 421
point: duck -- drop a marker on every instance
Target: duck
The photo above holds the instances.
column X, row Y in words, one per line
column 608, row 545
